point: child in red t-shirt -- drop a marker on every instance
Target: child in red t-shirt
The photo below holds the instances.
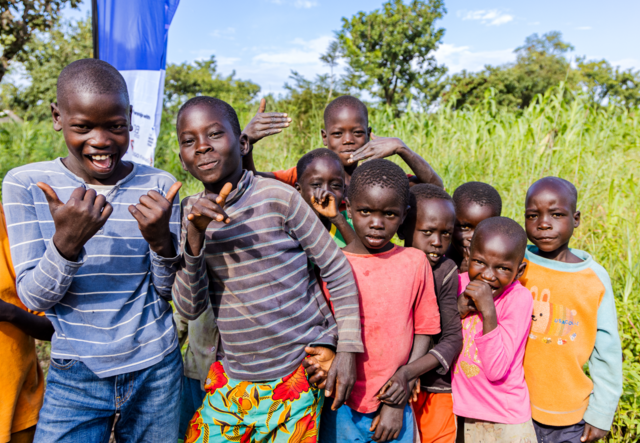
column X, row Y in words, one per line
column 397, row 304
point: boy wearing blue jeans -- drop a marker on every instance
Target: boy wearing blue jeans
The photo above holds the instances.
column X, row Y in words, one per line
column 94, row 244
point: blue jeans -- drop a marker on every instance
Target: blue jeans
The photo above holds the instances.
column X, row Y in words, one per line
column 80, row 407
column 191, row 400
column 346, row 425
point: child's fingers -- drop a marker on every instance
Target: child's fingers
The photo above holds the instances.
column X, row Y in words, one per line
column 374, row 423
column 384, row 389
column 50, row 194
column 173, row 190
column 263, row 105
column 310, row 350
column 224, row 193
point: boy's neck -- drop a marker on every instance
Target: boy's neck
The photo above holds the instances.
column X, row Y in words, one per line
column 562, row 254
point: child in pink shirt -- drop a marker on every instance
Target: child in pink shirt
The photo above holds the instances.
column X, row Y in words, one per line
column 489, row 389
column 397, row 305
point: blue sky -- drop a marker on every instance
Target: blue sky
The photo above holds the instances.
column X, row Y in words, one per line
column 263, row 40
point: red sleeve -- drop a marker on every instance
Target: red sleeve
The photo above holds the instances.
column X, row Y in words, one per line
column 288, row 176
column 426, row 312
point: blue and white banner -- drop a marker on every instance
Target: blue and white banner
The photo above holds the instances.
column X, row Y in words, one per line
column 132, row 36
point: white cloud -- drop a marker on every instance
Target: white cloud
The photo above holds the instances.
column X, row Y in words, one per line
column 227, row 34
column 491, row 17
column 583, row 28
column 305, row 4
column 458, row 58
column 226, row 61
column 300, row 4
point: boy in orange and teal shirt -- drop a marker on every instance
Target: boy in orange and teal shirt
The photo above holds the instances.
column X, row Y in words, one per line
column 574, row 322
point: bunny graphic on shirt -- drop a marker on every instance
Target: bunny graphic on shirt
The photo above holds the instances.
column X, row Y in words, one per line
column 553, row 322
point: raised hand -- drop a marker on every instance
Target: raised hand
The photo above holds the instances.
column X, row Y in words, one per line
column 324, row 203
column 77, row 220
column 378, row 147
column 264, row 124
column 153, row 214
column 204, row 211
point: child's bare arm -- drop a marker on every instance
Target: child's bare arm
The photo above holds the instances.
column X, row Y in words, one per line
column 383, row 147
column 33, row 325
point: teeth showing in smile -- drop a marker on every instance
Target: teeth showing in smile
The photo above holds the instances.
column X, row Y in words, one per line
column 431, row 254
column 100, row 157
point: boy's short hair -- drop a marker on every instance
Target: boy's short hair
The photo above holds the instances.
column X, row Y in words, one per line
column 92, row 76
column 218, row 105
column 345, row 101
column 479, row 193
column 569, row 187
column 382, row 173
column 310, row 156
column 506, row 227
column 425, row 191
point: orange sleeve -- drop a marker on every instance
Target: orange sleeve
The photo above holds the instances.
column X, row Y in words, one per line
column 426, row 312
column 288, row 176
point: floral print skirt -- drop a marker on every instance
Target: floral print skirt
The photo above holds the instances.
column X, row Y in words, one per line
column 284, row 410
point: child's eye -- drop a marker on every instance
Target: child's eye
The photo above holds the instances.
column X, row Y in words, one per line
column 557, row 215
column 186, row 142
column 364, row 211
column 427, row 232
column 446, row 234
column 464, row 228
column 390, row 214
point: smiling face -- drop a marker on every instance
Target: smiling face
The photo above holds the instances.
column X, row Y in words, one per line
column 97, row 136
column 377, row 213
column 323, row 173
column 345, row 132
column 209, row 149
column 432, row 230
column 495, row 260
column 468, row 216
column 550, row 216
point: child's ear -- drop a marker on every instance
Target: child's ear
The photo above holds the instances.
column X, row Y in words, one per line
column 245, row 146
column 297, row 186
column 406, row 212
column 346, row 200
column 130, row 115
column 57, row 117
column 521, row 269
column 400, row 232
column 576, row 219
column 324, row 137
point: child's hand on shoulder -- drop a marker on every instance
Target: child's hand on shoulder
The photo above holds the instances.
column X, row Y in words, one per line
column 398, row 389
column 591, row 434
column 388, row 423
column 324, row 202
column 317, row 364
column 264, row 124
column 76, row 221
column 153, row 214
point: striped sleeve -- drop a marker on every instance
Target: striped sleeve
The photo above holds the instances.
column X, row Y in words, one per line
column 190, row 291
column 163, row 269
column 303, row 225
column 43, row 276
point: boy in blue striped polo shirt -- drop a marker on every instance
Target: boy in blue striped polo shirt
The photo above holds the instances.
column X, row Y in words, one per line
column 94, row 244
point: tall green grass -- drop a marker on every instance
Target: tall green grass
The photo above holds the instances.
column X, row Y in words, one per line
column 598, row 149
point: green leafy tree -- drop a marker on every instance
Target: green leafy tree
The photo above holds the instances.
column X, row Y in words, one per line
column 606, row 84
column 390, row 50
column 43, row 59
column 541, row 63
column 330, row 58
column 184, row 81
column 20, row 20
